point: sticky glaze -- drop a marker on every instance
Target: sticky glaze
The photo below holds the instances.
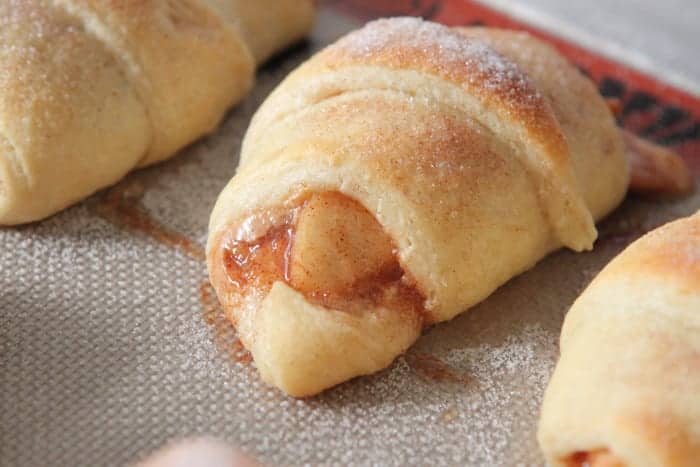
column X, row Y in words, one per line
column 259, row 263
column 597, row 458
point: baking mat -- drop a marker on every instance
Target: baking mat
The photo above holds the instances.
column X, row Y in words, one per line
column 112, row 342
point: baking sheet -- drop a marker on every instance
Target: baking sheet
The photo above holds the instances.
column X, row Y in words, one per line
column 112, row 342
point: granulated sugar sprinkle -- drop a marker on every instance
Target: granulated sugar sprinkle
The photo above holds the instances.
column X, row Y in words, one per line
column 442, row 47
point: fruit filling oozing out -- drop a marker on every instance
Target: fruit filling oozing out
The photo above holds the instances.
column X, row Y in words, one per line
column 597, row 458
column 331, row 249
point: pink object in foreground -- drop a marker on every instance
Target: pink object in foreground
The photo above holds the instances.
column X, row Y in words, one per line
column 200, row 452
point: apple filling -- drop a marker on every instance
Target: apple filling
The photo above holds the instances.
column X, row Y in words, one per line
column 597, row 458
column 332, row 250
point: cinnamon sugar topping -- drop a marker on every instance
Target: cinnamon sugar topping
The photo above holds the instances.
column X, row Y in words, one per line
column 416, row 42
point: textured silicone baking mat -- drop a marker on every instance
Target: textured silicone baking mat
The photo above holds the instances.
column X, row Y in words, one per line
column 112, row 342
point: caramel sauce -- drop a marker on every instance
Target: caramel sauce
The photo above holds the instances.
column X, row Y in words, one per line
column 259, row 263
column 120, row 206
column 597, row 458
column 262, row 261
column 431, row 367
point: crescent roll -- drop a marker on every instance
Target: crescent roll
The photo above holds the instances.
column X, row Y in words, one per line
column 396, row 179
column 91, row 89
column 626, row 389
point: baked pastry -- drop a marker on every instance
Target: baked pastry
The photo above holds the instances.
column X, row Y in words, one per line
column 654, row 168
column 394, row 180
column 92, row 89
column 626, row 389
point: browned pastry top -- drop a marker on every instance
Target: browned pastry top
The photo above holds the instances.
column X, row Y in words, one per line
column 499, row 83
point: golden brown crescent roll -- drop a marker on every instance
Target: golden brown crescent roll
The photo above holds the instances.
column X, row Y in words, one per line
column 626, row 390
column 394, row 180
column 91, row 89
